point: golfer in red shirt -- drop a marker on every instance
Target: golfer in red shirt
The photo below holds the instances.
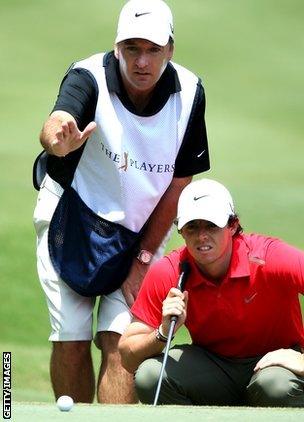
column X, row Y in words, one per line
column 240, row 305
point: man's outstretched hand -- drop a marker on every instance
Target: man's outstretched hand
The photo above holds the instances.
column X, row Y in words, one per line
column 69, row 138
column 60, row 134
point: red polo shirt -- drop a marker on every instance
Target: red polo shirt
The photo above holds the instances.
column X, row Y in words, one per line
column 253, row 311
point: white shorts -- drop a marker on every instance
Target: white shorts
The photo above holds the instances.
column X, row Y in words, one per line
column 71, row 315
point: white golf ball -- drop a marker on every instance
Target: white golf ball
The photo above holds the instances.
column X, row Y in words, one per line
column 65, row 403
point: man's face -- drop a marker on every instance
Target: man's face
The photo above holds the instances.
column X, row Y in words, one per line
column 141, row 64
column 209, row 245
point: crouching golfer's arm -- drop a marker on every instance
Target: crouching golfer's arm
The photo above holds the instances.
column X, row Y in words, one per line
column 140, row 341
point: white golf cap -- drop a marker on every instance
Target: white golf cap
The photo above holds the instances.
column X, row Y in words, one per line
column 147, row 19
column 204, row 199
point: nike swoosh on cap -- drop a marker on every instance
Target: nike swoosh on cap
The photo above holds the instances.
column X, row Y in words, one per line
column 199, row 197
column 141, row 14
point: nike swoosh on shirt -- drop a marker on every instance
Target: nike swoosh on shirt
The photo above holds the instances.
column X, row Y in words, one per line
column 250, row 298
column 200, row 154
column 141, row 14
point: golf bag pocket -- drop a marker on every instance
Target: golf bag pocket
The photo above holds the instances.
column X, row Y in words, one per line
column 39, row 169
column 90, row 254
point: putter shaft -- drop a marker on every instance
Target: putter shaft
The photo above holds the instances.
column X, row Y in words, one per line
column 160, row 379
column 185, row 269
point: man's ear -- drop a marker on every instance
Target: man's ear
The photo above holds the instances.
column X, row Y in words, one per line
column 171, row 51
column 180, row 232
column 116, row 51
column 233, row 228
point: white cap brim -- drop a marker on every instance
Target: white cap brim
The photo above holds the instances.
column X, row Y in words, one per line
column 145, row 33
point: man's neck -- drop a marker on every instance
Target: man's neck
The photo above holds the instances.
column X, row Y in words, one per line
column 140, row 100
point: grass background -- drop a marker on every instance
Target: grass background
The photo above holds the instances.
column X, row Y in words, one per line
column 249, row 54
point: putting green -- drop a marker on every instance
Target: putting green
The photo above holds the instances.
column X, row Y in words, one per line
column 137, row 413
column 250, row 56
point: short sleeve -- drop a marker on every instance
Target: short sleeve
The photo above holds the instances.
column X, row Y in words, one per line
column 78, row 95
column 193, row 156
column 285, row 264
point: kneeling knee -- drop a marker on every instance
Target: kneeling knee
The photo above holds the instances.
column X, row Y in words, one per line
column 146, row 379
column 272, row 386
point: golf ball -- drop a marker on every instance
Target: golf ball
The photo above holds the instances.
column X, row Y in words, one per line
column 65, row 403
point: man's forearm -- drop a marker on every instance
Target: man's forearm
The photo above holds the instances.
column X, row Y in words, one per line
column 163, row 215
column 136, row 348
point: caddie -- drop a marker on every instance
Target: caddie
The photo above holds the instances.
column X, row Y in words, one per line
column 240, row 304
column 125, row 136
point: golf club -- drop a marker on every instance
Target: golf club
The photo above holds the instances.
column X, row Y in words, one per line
column 185, row 270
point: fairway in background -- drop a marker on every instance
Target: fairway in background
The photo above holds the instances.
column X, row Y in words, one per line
column 249, row 54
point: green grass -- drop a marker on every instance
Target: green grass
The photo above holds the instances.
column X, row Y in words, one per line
column 136, row 413
column 250, row 56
